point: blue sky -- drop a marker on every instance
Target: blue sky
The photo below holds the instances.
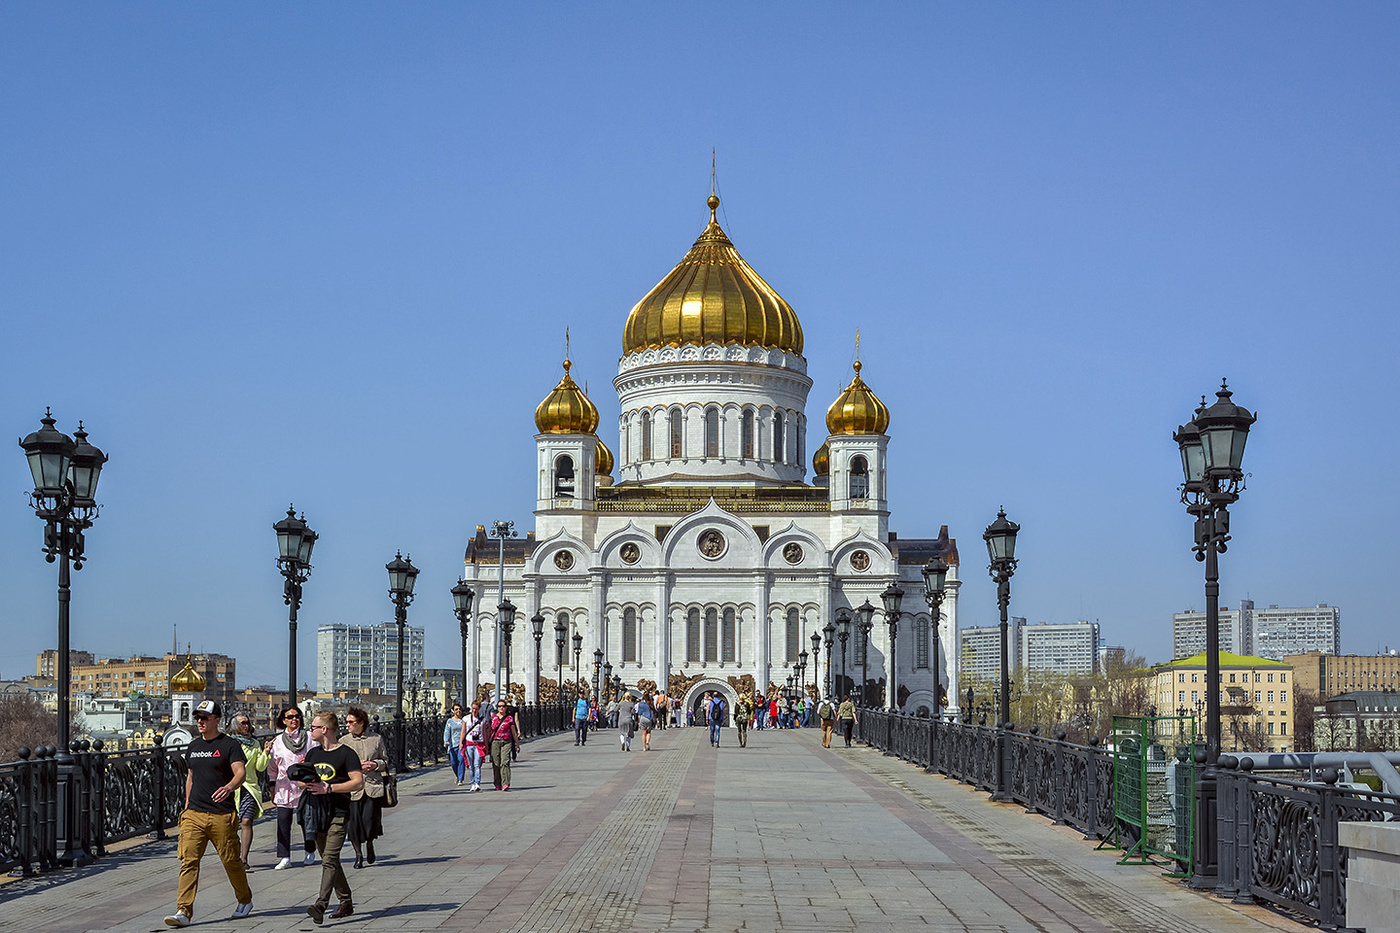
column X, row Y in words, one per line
column 327, row 254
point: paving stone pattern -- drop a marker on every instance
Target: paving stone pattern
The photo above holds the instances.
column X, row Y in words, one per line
column 780, row 836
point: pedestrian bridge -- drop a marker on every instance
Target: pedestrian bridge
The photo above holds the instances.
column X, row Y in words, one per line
column 783, row 835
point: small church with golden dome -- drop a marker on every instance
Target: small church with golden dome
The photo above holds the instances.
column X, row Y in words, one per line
column 701, row 555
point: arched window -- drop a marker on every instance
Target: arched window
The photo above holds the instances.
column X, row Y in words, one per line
column 778, row 435
column 692, row 636
column 921, row 643
column 726, row 641
column 646, row 435
column 712, row 432
column 860, row 479
column 793, row 635
column 747, row 435
column 711, row 635
column 629, row 634
column 675, row 433
column 564, row 477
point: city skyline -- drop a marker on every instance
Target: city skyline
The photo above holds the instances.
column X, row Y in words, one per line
column 288, row 257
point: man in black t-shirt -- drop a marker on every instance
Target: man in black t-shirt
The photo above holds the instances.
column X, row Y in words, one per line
column 215, row 769
column 338, row 767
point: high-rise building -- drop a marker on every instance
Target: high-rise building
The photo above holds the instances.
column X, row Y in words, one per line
column 1061, row 648
column 1189, row 631
column 46, row 662
column 979, row 649
column 364, row 658
column 1279, row 632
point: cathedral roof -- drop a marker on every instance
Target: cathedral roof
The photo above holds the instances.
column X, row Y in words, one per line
column 566, row 410
column 712, row 297
column 857, row 410
column 604, row 460
column 821, row 460
column 187, row 680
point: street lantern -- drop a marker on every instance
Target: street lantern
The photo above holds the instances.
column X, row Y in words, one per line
column 829, row 637
column 295, row 539
column 402, row 575
column 462, row 595
column 607, row 674
column 578, row 650
column 935, row 574
column 816, row 658
column 865, row 615
column 893, row 597
column 1224, row 428
column 561, row 635
column 506, row 621
column 537, row 630
column 597, row 672
column 50, row 453
column 84, row 468
column 843, row 632
column 1001, row 550
column 1001, row 539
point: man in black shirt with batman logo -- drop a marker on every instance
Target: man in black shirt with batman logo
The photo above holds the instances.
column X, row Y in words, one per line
column 328, row 807
column 216, row 769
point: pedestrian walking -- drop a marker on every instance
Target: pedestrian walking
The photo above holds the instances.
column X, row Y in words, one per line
column 474, row 745
column 826, row 712
column 760, row 711
column 646, row 718
column 742, row 711
column 215, row 768
column 366, row 818
column 626, row 723
column 661, row 709
column 846, row 712
column 248, row 797
column 581, row 708
column 714, row 712
column 503, row 732
column 287, row 749
column 612, row 713
column 326, row 805
column 773, row 713
column 452, row 741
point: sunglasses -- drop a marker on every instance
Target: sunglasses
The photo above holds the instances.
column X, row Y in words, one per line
column 200, row 717
column 292, row 716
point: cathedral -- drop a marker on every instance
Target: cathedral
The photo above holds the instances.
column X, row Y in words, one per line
column 701, row 556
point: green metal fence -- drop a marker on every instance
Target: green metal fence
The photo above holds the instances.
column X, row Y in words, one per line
column 1154, row 777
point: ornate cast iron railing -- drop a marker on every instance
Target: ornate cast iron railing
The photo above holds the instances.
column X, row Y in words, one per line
column 125, row 794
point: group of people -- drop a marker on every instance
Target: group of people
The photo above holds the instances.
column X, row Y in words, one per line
column 627, row 715
column 332, row 784
column 753, row 711
column 472, row 738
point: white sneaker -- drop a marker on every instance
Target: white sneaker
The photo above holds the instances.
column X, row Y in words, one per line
column 476, row 788
column 177, row 919
column 309, row 860
column 285, row 863
column 242, row 910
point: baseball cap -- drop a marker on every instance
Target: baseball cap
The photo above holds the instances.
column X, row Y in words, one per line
column 209, row 708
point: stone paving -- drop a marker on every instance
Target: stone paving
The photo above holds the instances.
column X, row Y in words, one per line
column 780, row 836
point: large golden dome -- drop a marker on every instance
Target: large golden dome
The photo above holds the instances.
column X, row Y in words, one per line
column 604, row 460
column 712, row 296
column 187, row 680
column 566, row 410
column 857, row 410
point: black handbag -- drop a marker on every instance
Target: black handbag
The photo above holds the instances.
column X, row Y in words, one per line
column 391, row 790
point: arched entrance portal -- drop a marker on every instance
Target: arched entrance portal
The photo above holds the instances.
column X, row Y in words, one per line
column 695, row 700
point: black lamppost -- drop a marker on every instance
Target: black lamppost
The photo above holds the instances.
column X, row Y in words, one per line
column 843, row 632
column 892, row 597
column 294, row 543
column 829, row 631
column 816, row 640
column 537, row 630
column 617, row 686
column 865, row 615
column 402, row 575
column 507, row 624
column 561, row 635
column 1212, row 457
column 1001, row 549
column 462, row 607
column 597, row 673
column 65, row 471
column 607, row 678
column 935, row 585
column 578, row 650
column 802, row 667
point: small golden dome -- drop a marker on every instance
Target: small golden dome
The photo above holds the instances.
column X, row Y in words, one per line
column 857, row 410
column 821, row 460
column 188, row 680
column 712, row 296
column 567, row 409
column 605, row 460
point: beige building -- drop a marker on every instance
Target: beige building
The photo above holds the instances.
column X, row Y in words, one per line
column 1256, row 710
column 1328, row 675
column 116, row 677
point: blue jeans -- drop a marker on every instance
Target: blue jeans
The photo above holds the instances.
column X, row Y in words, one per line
column 474, row 763
column 580, row 731
column 459, row 767
column 714, row 731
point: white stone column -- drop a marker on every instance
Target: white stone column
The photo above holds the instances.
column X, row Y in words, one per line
column 948, row 639
column 663, row 632
column 762, row 648
column 532, row 606
column 473, row 675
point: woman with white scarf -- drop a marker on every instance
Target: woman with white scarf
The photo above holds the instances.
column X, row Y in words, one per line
column 284, row 751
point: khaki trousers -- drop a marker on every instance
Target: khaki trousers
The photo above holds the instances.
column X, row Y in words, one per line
column 329, row 844
column 828, row 727
column 197, row 830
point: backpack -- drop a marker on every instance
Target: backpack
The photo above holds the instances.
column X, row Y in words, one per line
column 824, row 711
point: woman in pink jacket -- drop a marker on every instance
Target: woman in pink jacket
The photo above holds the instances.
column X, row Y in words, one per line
column 286, row 750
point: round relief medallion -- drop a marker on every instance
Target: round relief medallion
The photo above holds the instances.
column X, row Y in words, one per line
column 564, row 560
column 630, row 553
column 792, row 553
column 711, row 544
column 860, row 560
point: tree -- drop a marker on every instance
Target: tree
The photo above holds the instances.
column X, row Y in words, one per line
column 25, row 722
column 1305, row 703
